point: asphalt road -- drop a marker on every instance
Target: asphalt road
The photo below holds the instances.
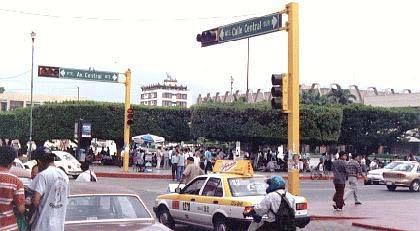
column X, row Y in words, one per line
column 148, row 189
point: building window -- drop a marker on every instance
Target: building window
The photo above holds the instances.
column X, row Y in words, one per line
column 3, row 106
column 166, row 95
column 154, row 102
column 154, row 94
column 15, row 104
column 166, row 103
column 181, row 104
column 142, row 96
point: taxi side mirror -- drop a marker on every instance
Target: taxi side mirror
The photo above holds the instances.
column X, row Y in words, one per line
column 178, row 190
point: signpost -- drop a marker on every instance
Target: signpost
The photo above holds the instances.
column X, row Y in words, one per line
column 78, row 74
column 67, row 73
column 249, row 28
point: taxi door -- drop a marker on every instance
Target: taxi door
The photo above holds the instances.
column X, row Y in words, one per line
column 185, row 202
column 209, row 200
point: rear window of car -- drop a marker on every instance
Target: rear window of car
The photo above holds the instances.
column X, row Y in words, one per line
column 392, row 165
column 405, row 167
column 82, row 208
column 252, row 186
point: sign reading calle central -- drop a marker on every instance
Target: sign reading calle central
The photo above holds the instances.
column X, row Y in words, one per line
column 249, row 28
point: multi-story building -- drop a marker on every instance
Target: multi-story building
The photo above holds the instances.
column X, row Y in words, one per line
column 168, row 93
column 10, row 101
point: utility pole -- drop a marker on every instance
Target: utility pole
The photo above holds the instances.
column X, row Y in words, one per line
column 293, row 82
column 231, row 85
column 33, row 34
column 78, row 94
column 126, row 125
column 247, row 70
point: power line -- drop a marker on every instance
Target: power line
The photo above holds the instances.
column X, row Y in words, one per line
column 13, row 11
column 15, row 76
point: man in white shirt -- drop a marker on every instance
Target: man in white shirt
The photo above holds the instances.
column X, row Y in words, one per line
column 51, row 187
column 87, row 175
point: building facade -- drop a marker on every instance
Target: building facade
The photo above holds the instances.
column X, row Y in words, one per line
column 10, row 101
column 166, row 94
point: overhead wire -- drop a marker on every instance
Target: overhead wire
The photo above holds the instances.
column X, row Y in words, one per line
column 15, row 76
column 121, row 19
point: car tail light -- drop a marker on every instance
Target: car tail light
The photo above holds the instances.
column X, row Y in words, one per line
column 248, row 209
column 302, row 206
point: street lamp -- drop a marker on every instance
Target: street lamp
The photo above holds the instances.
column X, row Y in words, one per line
column 33, row 34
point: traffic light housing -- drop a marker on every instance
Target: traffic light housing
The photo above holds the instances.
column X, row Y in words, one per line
column 279, row 92
column 208, row 37
column 130, row 116
column 47, row 71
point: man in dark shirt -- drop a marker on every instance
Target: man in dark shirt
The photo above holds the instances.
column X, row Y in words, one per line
column 339, row 168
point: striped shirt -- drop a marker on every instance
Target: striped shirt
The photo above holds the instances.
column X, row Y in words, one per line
column 354, row 168
column 11, row 193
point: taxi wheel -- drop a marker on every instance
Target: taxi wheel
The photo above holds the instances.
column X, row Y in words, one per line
column 165, row 218
column 391, row 187
column 220, row 224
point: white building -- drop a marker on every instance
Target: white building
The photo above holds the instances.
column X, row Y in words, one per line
column 168, row 93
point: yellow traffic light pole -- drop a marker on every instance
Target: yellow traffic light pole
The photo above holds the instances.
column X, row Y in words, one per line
column 293, row 85
column 127, row 84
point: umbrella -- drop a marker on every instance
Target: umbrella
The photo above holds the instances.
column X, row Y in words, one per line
column 148, row 138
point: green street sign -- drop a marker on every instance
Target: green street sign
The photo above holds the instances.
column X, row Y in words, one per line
column 249, row 28
column 78, row 74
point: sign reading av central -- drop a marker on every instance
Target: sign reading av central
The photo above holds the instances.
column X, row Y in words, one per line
column 249, row 28
column 68, row 73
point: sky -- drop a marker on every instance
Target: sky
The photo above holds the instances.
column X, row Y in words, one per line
column 362, row 42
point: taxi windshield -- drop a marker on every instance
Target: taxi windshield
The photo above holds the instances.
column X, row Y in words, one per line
column 241, row 186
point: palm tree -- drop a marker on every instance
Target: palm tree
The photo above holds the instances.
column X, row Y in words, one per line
column 1, row 90
column 312, row 97
column 341, row 96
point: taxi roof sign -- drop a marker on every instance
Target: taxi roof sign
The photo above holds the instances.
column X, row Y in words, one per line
column 240, row 167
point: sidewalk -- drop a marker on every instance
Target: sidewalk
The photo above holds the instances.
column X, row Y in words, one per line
column 377, row 215
column 113, row 171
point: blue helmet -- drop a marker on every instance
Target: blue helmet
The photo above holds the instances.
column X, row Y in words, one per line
column 275, row 183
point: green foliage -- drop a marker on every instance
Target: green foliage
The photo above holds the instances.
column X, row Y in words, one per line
column 2, row 90
column 368, row 127
column 340, row 96
column 57, row 121
column 313, row 97
column 259, row 123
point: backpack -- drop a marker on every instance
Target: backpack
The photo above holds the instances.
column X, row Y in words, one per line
column 285, row 216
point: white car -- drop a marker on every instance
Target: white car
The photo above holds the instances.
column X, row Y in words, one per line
column 376, row 176
column 64, row 161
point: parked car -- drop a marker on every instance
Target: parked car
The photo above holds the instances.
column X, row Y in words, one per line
column 376, row 177
column 406, row 174
column 64, row 161
column 104, row 207
column 18, row 163
column 23, row 174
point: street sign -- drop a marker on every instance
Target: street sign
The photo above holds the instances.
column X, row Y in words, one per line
column 249, row 28
column 68, row 73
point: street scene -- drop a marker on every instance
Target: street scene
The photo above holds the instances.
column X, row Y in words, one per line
column 224, row 116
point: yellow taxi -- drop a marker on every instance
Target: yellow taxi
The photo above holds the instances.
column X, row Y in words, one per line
column 217, row 200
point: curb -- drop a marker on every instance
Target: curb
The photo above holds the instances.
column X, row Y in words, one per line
column 165, row 176
column 325, row 218
column 375, row 227
column 133, row 175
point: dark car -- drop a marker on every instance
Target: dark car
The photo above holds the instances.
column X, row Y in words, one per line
column 92, row 206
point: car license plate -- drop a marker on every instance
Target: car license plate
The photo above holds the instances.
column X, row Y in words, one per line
column 389, row 183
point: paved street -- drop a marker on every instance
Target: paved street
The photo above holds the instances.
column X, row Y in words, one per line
column 148, row 189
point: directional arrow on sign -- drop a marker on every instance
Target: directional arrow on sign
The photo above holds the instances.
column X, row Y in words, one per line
column 274, row 22
column 114, row 77
column 63, row 72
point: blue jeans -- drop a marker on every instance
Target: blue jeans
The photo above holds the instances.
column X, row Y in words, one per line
column 180, row 170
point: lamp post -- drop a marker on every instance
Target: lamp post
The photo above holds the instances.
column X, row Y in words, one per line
column 33, row 34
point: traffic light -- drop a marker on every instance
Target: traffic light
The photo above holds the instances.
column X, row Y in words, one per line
column 208, row 37
column 130, row 116
column 279, row 92
column 47, row 71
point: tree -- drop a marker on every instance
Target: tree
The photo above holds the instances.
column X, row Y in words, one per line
column 2, row 90
column 341, row 96
column 312, row 96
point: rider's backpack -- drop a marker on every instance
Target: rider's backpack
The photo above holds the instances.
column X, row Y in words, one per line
column 285, row 216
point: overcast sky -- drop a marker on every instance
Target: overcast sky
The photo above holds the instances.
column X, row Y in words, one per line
column 362, row 42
